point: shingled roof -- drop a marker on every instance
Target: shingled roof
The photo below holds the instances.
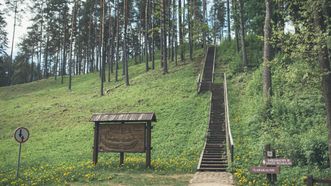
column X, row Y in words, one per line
column 123, row 117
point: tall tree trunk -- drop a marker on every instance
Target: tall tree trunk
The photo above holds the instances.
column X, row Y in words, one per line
column 170, row 34
column 204, row 11
column 12, row 47
column 103, row 60
column 117, row 12
column 181, row 40
column 161, row 20
column 73, row 30
column 175, row 30
column 267, row 88
column 146, row 33
column 228, row 18
column 189, row 20
column 32, row 64
column 57, row 62
column 64, row 58
column 125, row 55
column 242, row 33
column 153, row 34
column 164, row 25
column 46, row 58
column 111, row 45
column 236, row 23
column 324, row 62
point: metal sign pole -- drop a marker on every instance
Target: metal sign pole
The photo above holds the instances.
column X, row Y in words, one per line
column 21, row 135
column 19, row 160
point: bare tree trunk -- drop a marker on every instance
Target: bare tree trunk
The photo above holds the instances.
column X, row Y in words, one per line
column 111, row 45
column 153, row 34
column 102, row 25
column 32, row 64
column 174, row 18
column 181, row 40
column 204, row 11
column 235, row 18
column 73, row 30
column 228, row 18
column 64, row 58
column 189, row 20
column 165, row 63
column 267, row 55
column 125, row 55
column 46, row 58
column 170, row 35
column 324, row 62
column 146, row 33
column 242, row 33
column 118, row 40
column 56, row 62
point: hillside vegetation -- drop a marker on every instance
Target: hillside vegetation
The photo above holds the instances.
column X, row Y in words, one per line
column 296, row 126
column 61, row 137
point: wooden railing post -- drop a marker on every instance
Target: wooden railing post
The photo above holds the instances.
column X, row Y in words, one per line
column 96, row 143
column 148, row 144
column 310, row 181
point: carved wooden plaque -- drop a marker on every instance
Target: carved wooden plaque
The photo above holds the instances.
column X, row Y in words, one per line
column 122, row 138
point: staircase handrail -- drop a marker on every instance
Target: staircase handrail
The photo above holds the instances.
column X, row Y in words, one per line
column 229, row 139
column 203, row 69
column 214, row 65
column 209, row 120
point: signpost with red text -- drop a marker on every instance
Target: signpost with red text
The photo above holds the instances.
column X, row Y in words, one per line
column 270, row 165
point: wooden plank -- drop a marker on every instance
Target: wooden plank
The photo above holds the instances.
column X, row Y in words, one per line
column 148, row 144
column 121, row 158
column 123, row 117
column 95, row 145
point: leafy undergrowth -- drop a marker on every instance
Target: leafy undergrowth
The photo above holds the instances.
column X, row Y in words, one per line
column 61, row 137
column 296, row 127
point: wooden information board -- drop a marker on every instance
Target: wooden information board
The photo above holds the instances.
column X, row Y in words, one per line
column 123, row 133
column 122, row 138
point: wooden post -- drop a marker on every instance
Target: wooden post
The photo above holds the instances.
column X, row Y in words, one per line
column 310, row 181
column 272, row 178
column 121, row 158
column 96, row 143
column 148, row 144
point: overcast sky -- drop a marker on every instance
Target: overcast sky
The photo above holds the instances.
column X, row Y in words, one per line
column 20, row 28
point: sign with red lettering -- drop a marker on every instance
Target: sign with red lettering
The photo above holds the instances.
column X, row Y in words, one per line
column 265, row 170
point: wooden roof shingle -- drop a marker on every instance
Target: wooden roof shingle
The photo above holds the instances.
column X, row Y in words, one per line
column 123, row 117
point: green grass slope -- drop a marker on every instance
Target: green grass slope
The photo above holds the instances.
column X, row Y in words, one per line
column 296, row 127
column 61, row 137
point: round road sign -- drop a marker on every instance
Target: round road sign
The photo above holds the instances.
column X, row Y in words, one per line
column 21, row 134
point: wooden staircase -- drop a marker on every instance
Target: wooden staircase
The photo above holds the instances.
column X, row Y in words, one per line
column 214, row 156
column 207, row 75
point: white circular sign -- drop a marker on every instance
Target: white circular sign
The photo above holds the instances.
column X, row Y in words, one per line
column 21, row 134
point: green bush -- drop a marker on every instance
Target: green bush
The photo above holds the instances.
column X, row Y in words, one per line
column 296, row 127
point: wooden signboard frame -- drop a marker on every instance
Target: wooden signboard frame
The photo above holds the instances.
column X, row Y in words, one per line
column 123, row 132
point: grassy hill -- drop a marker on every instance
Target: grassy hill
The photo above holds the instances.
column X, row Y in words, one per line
column 296, row 126
column 61, row 137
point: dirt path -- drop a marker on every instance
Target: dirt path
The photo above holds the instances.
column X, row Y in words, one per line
column 211, row 179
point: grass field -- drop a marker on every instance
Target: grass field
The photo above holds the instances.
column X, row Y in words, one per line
column 61, row 137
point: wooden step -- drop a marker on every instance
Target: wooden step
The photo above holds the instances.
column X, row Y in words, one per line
column 214, row 160
column 211, row 165
column 213, row 169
